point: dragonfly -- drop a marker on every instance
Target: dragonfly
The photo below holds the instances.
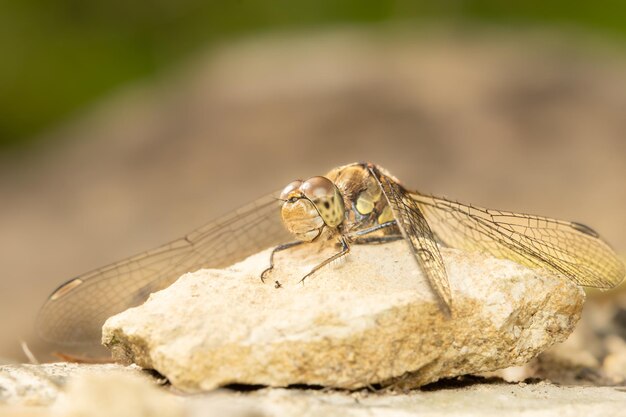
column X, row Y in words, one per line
column 359, row 203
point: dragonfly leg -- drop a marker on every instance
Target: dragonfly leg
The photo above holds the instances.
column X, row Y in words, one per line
column 357, row 239
column 279, row 248
column 372, row 240
column 345, row 249
column 373, row 229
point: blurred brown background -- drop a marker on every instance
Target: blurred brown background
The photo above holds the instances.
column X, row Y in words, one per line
column 530, row 119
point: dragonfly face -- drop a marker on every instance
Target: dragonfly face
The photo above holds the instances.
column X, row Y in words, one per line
column 309, row 206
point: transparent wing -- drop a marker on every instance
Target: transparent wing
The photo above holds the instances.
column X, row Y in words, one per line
column 76, row 311
column 568, row 248
column 418, row 235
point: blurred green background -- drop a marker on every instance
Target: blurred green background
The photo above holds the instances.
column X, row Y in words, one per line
column 61, row 55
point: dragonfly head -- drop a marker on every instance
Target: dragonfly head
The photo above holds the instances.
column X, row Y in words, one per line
column 310, row 205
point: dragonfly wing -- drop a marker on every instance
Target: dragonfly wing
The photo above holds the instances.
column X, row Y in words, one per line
column 76, row 311
column 568, row 248
column 418, row 235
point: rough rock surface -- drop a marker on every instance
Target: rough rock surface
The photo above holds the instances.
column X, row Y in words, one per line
column 370, row 319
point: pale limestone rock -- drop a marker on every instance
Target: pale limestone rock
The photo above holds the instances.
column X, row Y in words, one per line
column 370, row 319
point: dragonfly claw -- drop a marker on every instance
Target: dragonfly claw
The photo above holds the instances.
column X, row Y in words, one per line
column 264, row 273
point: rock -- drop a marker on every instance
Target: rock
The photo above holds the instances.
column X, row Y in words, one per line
column 594, row 354
column 614, row 364
column 68, row 390
column 116, row 393
column 371, row 319
column 39, row 385
column 27, row 384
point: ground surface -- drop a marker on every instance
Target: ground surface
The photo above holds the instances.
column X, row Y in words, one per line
column 52, row 392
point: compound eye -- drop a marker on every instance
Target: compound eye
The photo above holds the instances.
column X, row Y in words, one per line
column 317, row 188
column 290, row 190
column 327, row 199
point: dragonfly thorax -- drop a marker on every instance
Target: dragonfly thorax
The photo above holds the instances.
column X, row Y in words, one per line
column 309, row 206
